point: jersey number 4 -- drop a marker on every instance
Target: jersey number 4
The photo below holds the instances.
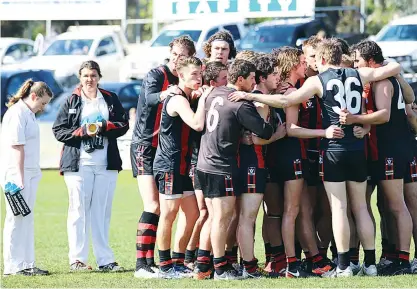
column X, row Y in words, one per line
column 346, row 95
column 213, row 114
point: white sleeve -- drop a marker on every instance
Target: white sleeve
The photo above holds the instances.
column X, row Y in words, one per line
column 16, row 129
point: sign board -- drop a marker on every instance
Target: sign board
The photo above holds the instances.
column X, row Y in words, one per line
column 62, row 9
column 166, row 10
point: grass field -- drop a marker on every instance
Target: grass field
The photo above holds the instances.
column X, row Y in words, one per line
column 52, row 249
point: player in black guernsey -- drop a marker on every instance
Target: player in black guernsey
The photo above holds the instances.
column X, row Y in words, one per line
column 252, row 170
column 344, row 159
column 394, row 150
column 171, row 168
column 144, row 142
column 214, row 75
column 217, row 162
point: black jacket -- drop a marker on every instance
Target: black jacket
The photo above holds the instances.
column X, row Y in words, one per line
column 67, row 129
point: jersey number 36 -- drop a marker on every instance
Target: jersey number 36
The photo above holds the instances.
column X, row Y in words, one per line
column 347, row 97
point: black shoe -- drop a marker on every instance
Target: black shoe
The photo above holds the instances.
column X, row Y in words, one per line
column 33, row 272
column 396, row 268
column 111, row 267
column 298, row 270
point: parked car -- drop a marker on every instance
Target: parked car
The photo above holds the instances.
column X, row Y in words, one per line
column 15, row 50
column 277, row 33
column 138, row 64
column 11, row 80
column 65, row 54
column 398, row 40
column 128, row 93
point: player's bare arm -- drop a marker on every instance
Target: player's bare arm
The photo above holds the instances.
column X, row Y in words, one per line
column 178, row 105
column 361, row 131
column 408, row 92
column 312, row 86
column 368, row 74
column 411, row 117
column 383, row 91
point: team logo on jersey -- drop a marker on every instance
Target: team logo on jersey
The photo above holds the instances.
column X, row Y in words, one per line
column 389, row 161
column 251, row 171
column 389, row 167
column 309, row 104
column 414, row 163
column 320, row 159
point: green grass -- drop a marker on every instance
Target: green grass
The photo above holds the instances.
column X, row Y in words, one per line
column 52, row 248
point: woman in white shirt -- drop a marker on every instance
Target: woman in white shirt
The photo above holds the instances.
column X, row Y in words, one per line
column 20, row 156
column 88, row 124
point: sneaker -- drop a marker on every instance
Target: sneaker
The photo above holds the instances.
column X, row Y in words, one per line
column 230, row 274
column 395, row 268
column 255, row 275
column 190, row 265
column 368, row 271
column 299, row 271
column 170, row 274
column 413, row 265
column 33, row 272
column 236, row 266
column 324, row 266
column 183, row 271
column 355, row 268
column 80, row 266
column 111, row 267
column 383, row 262
column 200, row 275
column 145, row 272
column 276, row 269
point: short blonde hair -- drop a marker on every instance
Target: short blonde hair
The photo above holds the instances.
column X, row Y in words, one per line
column 330, row 51
column 247, row 55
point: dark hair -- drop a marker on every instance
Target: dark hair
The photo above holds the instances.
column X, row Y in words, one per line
column 238, row 68
column 223, row 36
column 186, row 61
column 369, row 50
column 184, row 41
column 39, row 88
column 264, row 67
column 92, row 65
column 212, row 71
column 330, row 51
column 343, row 45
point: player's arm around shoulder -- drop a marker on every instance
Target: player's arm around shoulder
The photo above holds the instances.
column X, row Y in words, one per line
column 250, row 119
column 383, row 92
column 312, row 86
column 368, row 74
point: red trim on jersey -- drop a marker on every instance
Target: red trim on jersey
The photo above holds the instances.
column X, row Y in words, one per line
column 371, row 149
column 159, row 111
column 185, row 134
column 259, row 155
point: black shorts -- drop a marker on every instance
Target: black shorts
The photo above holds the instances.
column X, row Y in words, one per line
column 390, row 166
column 217, row 186
column 288, row 167
column 311, row 168
column 341, row 166
column 253, row 179
column 411, row 173
column 142, row 157
column 171, row 183
column 194, row 178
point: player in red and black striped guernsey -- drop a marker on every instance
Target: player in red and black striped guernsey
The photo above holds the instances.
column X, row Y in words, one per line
column 341, row 155
column 171, row 168
column 252, row 170
column 144, row 142
column 392, row 139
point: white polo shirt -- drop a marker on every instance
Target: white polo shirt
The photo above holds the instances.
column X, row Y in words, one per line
column 93, row 109
column 19, row 127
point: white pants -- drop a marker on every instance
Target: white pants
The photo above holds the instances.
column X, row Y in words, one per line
column 18, row 232
column 91, row 192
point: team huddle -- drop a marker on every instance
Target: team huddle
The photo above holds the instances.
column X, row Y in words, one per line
column 308, row 134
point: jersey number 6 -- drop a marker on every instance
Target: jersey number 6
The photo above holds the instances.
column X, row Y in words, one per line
column 213, row 114
column 346, row 95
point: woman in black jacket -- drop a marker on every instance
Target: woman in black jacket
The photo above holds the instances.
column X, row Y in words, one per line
column 89, row 123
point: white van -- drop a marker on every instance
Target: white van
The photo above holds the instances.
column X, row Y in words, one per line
column 144, row 59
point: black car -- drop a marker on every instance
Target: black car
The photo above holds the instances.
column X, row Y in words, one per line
column 277, row 33
column 11, row 80
column 128, row 93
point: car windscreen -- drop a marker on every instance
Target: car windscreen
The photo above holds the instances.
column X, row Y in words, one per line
column 399, row 33
column 69, row 47
column 268, row 37
column 168, row 35
column 46, row 76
